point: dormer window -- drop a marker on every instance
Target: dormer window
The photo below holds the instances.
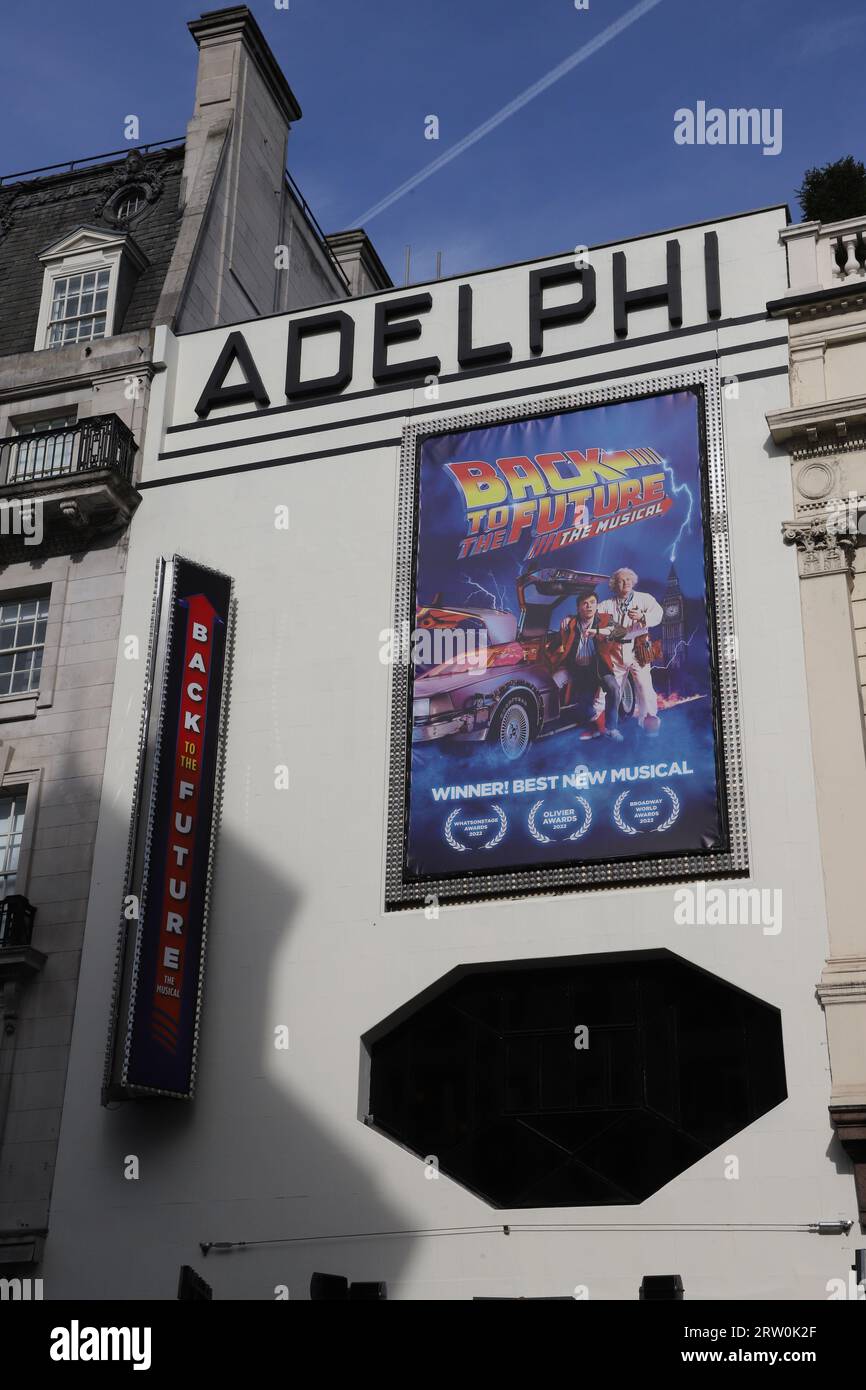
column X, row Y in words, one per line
column 78, row 307
column 90, row 275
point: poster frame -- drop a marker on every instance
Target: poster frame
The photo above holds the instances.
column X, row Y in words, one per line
column 403, row 890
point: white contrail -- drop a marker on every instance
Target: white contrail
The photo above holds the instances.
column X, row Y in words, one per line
column 517, row 104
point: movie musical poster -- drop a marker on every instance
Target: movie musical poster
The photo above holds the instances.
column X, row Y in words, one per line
column 563, row 691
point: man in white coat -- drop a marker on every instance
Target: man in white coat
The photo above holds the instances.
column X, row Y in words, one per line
column 631, row 615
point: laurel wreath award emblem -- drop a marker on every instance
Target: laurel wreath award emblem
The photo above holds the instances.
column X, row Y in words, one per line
column 503, row 826
column 489, row 844
column 665, row 825
column 455, row 844
column 626, row 829
column 576, row 835
column 675, row 809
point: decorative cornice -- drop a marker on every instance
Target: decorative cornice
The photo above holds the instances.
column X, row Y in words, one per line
column 820, row 549
column 56, row 192
column 818, row 448
column 805, row 424
column 842, row 992
column 829, row 300
column 843, row 981
column 90, row 380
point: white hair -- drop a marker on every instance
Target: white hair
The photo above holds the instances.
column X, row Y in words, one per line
column 631, row 574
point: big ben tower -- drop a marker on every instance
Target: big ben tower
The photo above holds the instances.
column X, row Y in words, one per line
column 673, row 626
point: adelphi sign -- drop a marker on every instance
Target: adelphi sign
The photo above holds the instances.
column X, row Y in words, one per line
column 405, row 319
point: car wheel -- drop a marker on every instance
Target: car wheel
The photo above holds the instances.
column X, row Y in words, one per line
column 513, row 727
column 627, row 699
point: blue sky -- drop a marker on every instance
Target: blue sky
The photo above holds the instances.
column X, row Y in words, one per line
column 591, row 159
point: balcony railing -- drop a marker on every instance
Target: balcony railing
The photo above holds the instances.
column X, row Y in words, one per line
column 102, row 441
column 849, row 253
column 824, row 255
column 16, row 921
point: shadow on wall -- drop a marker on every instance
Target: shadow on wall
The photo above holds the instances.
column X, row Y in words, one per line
column 270, row 1154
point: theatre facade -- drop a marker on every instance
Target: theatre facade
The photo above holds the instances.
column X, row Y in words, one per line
column 457, row 904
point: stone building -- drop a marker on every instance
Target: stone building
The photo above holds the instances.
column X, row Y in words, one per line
column 823, row 430
column 384, row 1077
column 95, row 254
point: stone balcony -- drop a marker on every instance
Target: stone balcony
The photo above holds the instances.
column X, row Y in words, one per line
column 60, row 488
column 825, row 309
column 826, row 264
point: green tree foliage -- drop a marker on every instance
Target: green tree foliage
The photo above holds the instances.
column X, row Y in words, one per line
column 834, row 192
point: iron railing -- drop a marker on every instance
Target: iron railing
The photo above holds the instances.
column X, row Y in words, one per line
column 74, row 166
column 101, row 441
column 16, row 920
column 319, row 235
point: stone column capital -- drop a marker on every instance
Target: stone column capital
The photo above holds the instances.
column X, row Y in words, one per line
column 820, row 548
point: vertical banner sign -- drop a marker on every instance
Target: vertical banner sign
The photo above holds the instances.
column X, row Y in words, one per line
column 165, row 978
column 563, row 675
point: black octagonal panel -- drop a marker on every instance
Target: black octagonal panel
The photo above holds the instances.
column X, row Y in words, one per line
column 483, row 1073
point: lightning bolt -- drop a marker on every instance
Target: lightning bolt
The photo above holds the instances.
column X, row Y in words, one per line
column 679, row 647
column 497, row 599
column 675, row 488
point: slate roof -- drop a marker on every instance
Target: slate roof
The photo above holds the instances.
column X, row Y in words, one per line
column 39, row 211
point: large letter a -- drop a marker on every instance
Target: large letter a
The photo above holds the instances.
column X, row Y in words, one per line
column 252, row 389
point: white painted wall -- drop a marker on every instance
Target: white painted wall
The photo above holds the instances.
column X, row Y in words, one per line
column 272, row 1146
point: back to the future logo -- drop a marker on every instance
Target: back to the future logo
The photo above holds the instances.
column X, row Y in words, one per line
column 556, row 498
